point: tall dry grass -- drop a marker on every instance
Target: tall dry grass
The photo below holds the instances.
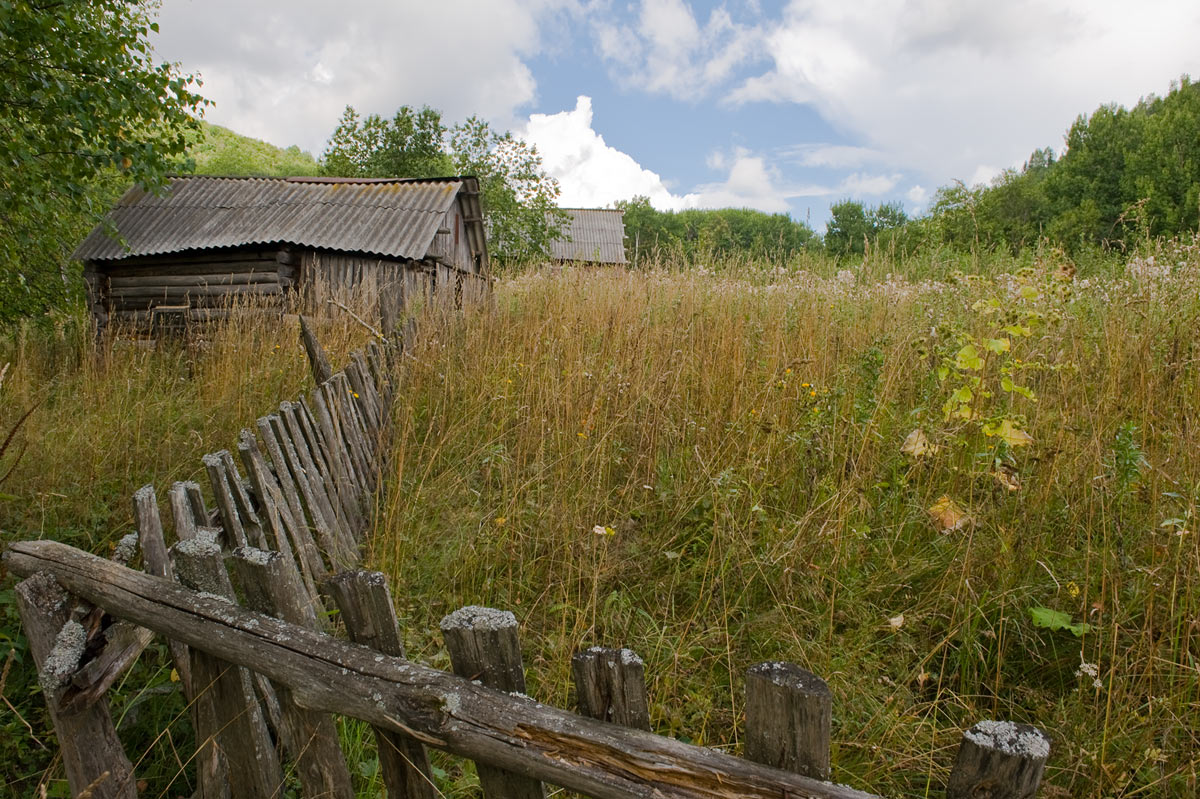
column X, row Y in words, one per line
column 707, row 467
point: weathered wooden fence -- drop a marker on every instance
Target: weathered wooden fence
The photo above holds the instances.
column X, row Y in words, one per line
column 241, row 597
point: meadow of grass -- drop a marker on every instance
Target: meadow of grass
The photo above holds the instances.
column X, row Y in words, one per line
column 708, row 466
column 721, row 465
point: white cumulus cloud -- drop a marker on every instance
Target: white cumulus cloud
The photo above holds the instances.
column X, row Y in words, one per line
column 963, row 89
column 283, row 71
column 666, row 49
column 591, row 173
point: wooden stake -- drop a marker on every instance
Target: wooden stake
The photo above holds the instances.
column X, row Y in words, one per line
column 484, row 646
column 999, row 760
column 228, row 716
column 789, row 713
column 156, row 561
column 370, row 617
column 610, row 685
column 181, row 512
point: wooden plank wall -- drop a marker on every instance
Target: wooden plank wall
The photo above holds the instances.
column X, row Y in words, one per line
column 452, row 247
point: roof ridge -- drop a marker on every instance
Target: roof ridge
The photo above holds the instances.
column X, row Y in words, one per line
column 322, row 179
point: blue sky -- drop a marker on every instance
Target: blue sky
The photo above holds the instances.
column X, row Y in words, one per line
column 781, row 106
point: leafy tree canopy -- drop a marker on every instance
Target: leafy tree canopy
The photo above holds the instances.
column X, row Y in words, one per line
column 518, row 197
column 852, row 226
column 695, row 234
column 83, row 102
column 1125, row 174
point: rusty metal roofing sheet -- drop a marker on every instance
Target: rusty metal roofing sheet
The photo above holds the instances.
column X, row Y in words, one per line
column 596, row 235
column 390, row 218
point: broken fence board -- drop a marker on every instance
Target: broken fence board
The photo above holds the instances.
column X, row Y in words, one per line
column 440, row 709
column 91, row 752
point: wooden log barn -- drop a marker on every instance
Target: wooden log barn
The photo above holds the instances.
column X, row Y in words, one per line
column 163, row 261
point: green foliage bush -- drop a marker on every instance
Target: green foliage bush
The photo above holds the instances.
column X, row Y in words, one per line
column 1126, row 175
column 711, row 235
column 83, row 106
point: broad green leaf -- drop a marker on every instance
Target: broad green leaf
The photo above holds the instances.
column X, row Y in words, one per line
column 1057, row 620
column 968, row 358
column 1010, row 433
column 998, row 345
column 1008, row 385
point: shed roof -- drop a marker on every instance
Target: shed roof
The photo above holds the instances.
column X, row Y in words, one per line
column 385, row 217
column 596, row 235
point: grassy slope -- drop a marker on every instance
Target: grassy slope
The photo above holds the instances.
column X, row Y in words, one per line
column 707, row 469
column 220, row 151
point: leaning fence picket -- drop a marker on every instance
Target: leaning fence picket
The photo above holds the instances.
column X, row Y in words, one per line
column 270, row 586
column 288, row 536
column 229, row 717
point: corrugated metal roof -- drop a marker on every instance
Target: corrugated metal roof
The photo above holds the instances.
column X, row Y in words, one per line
column 596, row 235
column 390, row 218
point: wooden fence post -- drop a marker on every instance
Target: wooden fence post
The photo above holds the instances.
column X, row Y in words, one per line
column 366, row 605
column 484, row 646
column 272, row 586
column 610, row 685
column 182, row 512
column 229, row 719
column 317, row 358
column 789, row 712
column 999, row 760
column 91, row 753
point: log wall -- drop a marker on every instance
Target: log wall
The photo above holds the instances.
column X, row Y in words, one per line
column 173, row 289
